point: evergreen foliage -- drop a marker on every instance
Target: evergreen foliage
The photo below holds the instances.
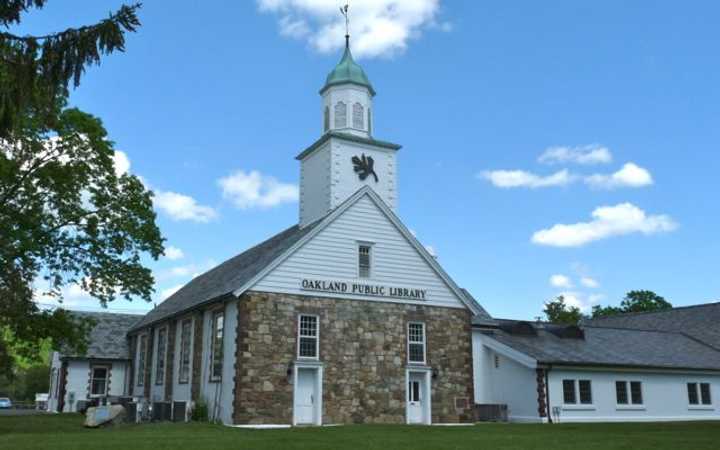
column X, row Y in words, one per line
column 557, row 311
column 35, row 70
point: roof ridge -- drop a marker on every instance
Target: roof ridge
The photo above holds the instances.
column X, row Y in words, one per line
column 639, row 313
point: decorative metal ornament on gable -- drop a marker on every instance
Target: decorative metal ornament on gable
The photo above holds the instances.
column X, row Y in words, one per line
column 364, row 166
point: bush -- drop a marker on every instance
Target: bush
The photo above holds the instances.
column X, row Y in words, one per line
column 199, row 412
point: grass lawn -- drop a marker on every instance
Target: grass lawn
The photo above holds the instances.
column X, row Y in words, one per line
column 66, row 432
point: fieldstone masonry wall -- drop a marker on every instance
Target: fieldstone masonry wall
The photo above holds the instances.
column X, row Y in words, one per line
column 363, row 349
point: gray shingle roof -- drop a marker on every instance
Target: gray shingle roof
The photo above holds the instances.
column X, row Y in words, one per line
column 702, row 322
column 107, row 340
column 614, row 347
column 228, row 276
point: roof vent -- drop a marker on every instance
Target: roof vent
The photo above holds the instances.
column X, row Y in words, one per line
column 519, row 328
column 567, row 332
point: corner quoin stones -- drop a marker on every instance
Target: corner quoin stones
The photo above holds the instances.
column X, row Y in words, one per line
column 363, row 348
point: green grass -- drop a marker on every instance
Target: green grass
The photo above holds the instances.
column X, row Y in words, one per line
column 66, row 432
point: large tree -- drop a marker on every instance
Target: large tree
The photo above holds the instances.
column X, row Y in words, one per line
column 557, row 311
column 634, row 301
column 66, row 216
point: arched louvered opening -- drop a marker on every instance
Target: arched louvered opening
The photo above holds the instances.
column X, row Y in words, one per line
column 340, row 115
column 358, row 116
column 326, row 119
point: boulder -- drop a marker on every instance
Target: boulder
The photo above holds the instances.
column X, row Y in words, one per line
column 104, row 415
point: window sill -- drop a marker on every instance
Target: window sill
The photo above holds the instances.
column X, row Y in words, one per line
column 579, row 407
column 630, row 407
column 701, row 408
column 214, row 380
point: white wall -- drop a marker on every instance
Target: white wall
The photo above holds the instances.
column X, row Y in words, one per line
column 349, row 94
column 182, row 391
column 56, row 365
column 511, row 383
column 315, row 185
column 76, row 385
column 332, row 255
column 220, row 392
column 157, row 391
column 664, row 395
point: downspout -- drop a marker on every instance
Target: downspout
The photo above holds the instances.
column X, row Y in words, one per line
column 547, row 394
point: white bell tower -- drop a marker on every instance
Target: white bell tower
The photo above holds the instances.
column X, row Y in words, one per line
column 346, row 157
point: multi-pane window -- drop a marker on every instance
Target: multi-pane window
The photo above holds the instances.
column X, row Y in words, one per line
column 569, row 396
column 98, row 382
column 184, row 369
column 705, row 394
column 340, row 115
column 308, row 337
column 699, row 393
column 358, row 116
column 326, row 119
column 161, row 351
column 621, row 393
column 142, row 351
column 635, row 392
column 416, row 342
column 364, row 261
column 217, row 346
column 585, row 389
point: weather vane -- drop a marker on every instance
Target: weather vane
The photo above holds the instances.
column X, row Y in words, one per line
column 344, row 12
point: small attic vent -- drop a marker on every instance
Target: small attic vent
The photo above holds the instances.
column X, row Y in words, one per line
column 519, row 328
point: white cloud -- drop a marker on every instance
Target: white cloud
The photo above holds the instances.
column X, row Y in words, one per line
column 630, row 175
column 183, row 207
column 377, row 27
column 253, row 189
column 589, row 282
column 561, row 281
column 608, row 221
column 585, row 155
column 582, row 300
column 519, row 178
column 185, row 271
column 122, row 163
column 165, row 293
column 173, row 253
column 430, row 249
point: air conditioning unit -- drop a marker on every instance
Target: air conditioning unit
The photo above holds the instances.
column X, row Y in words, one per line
column 491, row 413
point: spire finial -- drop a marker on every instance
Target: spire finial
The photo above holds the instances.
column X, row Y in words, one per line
column 344, row 12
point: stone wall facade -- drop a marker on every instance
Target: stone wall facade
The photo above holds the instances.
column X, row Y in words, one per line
column 363, row 350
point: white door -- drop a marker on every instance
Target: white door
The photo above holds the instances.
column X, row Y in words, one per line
column 415, row 391
column 305, row 397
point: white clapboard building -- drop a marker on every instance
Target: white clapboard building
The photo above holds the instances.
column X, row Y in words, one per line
column 345, row 317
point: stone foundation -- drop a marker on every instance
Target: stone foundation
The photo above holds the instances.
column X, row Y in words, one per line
column 363, row 348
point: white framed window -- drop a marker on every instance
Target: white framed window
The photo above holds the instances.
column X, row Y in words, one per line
column 569, row 394
column 364, row 260
column 358, row 116
column 218, row 328
column 161, row 356
column 184, row 369
column 585, row 391
column 308, row 337
column 699, row 394
column 142, row 354
column 416, row 343
column 326, row 119
column 628, row 392
column 99, row 381
column 340, row 115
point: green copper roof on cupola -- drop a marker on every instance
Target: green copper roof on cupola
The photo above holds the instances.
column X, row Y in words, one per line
column 347, row 72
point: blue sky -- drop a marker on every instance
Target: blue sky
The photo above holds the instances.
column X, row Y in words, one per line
column 623, row 100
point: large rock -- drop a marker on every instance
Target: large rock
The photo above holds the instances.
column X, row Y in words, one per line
column 104, row 415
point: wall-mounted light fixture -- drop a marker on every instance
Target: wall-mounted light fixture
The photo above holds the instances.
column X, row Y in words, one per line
column 435, row 373
column 289, row 373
